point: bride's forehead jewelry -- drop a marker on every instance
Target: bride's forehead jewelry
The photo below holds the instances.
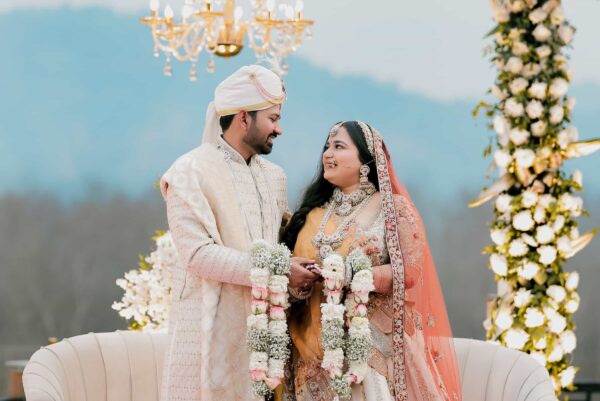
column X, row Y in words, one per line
column 334, row 130
column 368, row 137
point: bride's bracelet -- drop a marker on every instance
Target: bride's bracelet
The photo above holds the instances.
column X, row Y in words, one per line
column 299, row 295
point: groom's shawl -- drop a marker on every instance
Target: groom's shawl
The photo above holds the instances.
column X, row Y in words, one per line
column 216, row 205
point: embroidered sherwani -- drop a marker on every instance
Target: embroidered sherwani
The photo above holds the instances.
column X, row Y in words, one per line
column 217, row 205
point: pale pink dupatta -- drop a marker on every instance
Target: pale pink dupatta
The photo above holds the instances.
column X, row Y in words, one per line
column 424, row 293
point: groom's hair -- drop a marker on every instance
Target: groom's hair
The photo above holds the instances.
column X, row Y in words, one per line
column 225, row 121
column 320, row 190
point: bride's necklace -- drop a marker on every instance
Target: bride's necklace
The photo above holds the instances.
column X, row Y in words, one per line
column 327, row 243
column 346, row 202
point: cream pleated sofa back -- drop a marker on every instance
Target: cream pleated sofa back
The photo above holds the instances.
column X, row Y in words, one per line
column 126, row 366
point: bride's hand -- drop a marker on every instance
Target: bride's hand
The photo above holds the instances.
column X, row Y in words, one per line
column 300, row 277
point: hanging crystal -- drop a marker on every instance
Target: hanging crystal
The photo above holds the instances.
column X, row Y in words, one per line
column 168, row 69
column 192, row 75
column 211, row 64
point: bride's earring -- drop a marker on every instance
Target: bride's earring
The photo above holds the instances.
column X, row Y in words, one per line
column 365, row 184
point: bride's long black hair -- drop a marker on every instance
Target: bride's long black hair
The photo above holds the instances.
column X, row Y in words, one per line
column 320, row 190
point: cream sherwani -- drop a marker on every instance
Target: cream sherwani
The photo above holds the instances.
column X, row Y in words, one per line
column 217, row 205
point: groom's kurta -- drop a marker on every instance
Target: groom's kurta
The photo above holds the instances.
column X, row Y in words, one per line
column 217, row 205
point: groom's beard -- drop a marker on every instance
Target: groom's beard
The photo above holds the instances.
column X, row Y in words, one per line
column 258, row 142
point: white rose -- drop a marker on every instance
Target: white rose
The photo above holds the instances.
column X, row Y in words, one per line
column 557, row 16
column 499, row 93
column 546, row 200
column 572, row 281
column 538, row 15
column 529, row 240
column 523, row 221
column 535, row 109
column 531, row 70
column 540, row 343
column 559, row 87
column 500, row 236
column 538, row 128
column 534, row 317
column 518, row 136
column 556, row 354
column 528, row 270
column 524, row 157
column 519, row 48
column 513, row 108
column 503, row 203
column 503, row 319
column 547, row 254
column 540, row 357
column 499, row 38
column 500, row 124
column 517, row 6
column 572, row 304
column 529, row 199
column 578, row 177
column 502, row 158
column 522, row 297
column 565, row 33
column 518, row 85
column 559, row 223
column 544, row 234
column 567, row 376
column 501, row 14
column 557, row 293
column 557, row 113
column 517, row 248
column 539, row 215
column 567, row 136
column 531, row 3
column 538, row 90
column 516, row 338
column 567, row 202
column 563, row 244
column 499, row 264
column 503, row 288
column 568, row 341
column 514, row 65
column 570, row 103
column 541, row 33
column 558, row 323
column 543, row 51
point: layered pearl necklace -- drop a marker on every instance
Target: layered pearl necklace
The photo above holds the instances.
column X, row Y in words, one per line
column 350, row 205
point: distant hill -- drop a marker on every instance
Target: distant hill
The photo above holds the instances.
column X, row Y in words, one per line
column 83, row 100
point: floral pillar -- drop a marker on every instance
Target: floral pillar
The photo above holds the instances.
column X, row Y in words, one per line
column 534, row 231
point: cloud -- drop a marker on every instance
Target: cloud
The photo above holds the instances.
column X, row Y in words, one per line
column 432, row 47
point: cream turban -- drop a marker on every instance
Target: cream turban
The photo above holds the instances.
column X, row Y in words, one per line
column 250, row 88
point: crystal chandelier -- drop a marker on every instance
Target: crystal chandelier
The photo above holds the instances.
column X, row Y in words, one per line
column 273, row 31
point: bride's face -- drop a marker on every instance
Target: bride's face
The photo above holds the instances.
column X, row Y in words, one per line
column 341, row 164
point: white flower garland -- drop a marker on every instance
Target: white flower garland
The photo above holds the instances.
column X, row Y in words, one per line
column 267, row 338
column 332, row 320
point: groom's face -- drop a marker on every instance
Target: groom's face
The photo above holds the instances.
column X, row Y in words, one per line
column 263, row 129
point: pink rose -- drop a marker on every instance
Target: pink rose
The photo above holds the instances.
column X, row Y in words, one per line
column 260, row 292
column 360, row 310
column 273, row 382
column 278, row 298
column 259, row 306
column 258, row 375
column 277, row 312
column 333, row 296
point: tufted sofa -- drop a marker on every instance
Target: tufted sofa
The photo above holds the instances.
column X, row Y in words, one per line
column 126, row 366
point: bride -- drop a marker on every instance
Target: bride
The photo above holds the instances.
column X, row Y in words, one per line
column 356, row 201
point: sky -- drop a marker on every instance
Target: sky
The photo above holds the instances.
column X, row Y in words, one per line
column 433, row 47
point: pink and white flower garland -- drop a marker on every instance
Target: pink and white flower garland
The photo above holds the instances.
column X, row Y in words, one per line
column 359, row 339
column 268, row 339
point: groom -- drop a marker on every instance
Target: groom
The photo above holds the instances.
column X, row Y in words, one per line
column 222, row 196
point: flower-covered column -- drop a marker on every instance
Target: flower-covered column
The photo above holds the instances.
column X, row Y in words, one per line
column 534, row 231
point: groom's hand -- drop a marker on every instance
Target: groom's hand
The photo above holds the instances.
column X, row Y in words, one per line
column 300, row 277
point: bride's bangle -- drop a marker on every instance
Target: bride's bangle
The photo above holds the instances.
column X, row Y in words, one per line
column 300, row 295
